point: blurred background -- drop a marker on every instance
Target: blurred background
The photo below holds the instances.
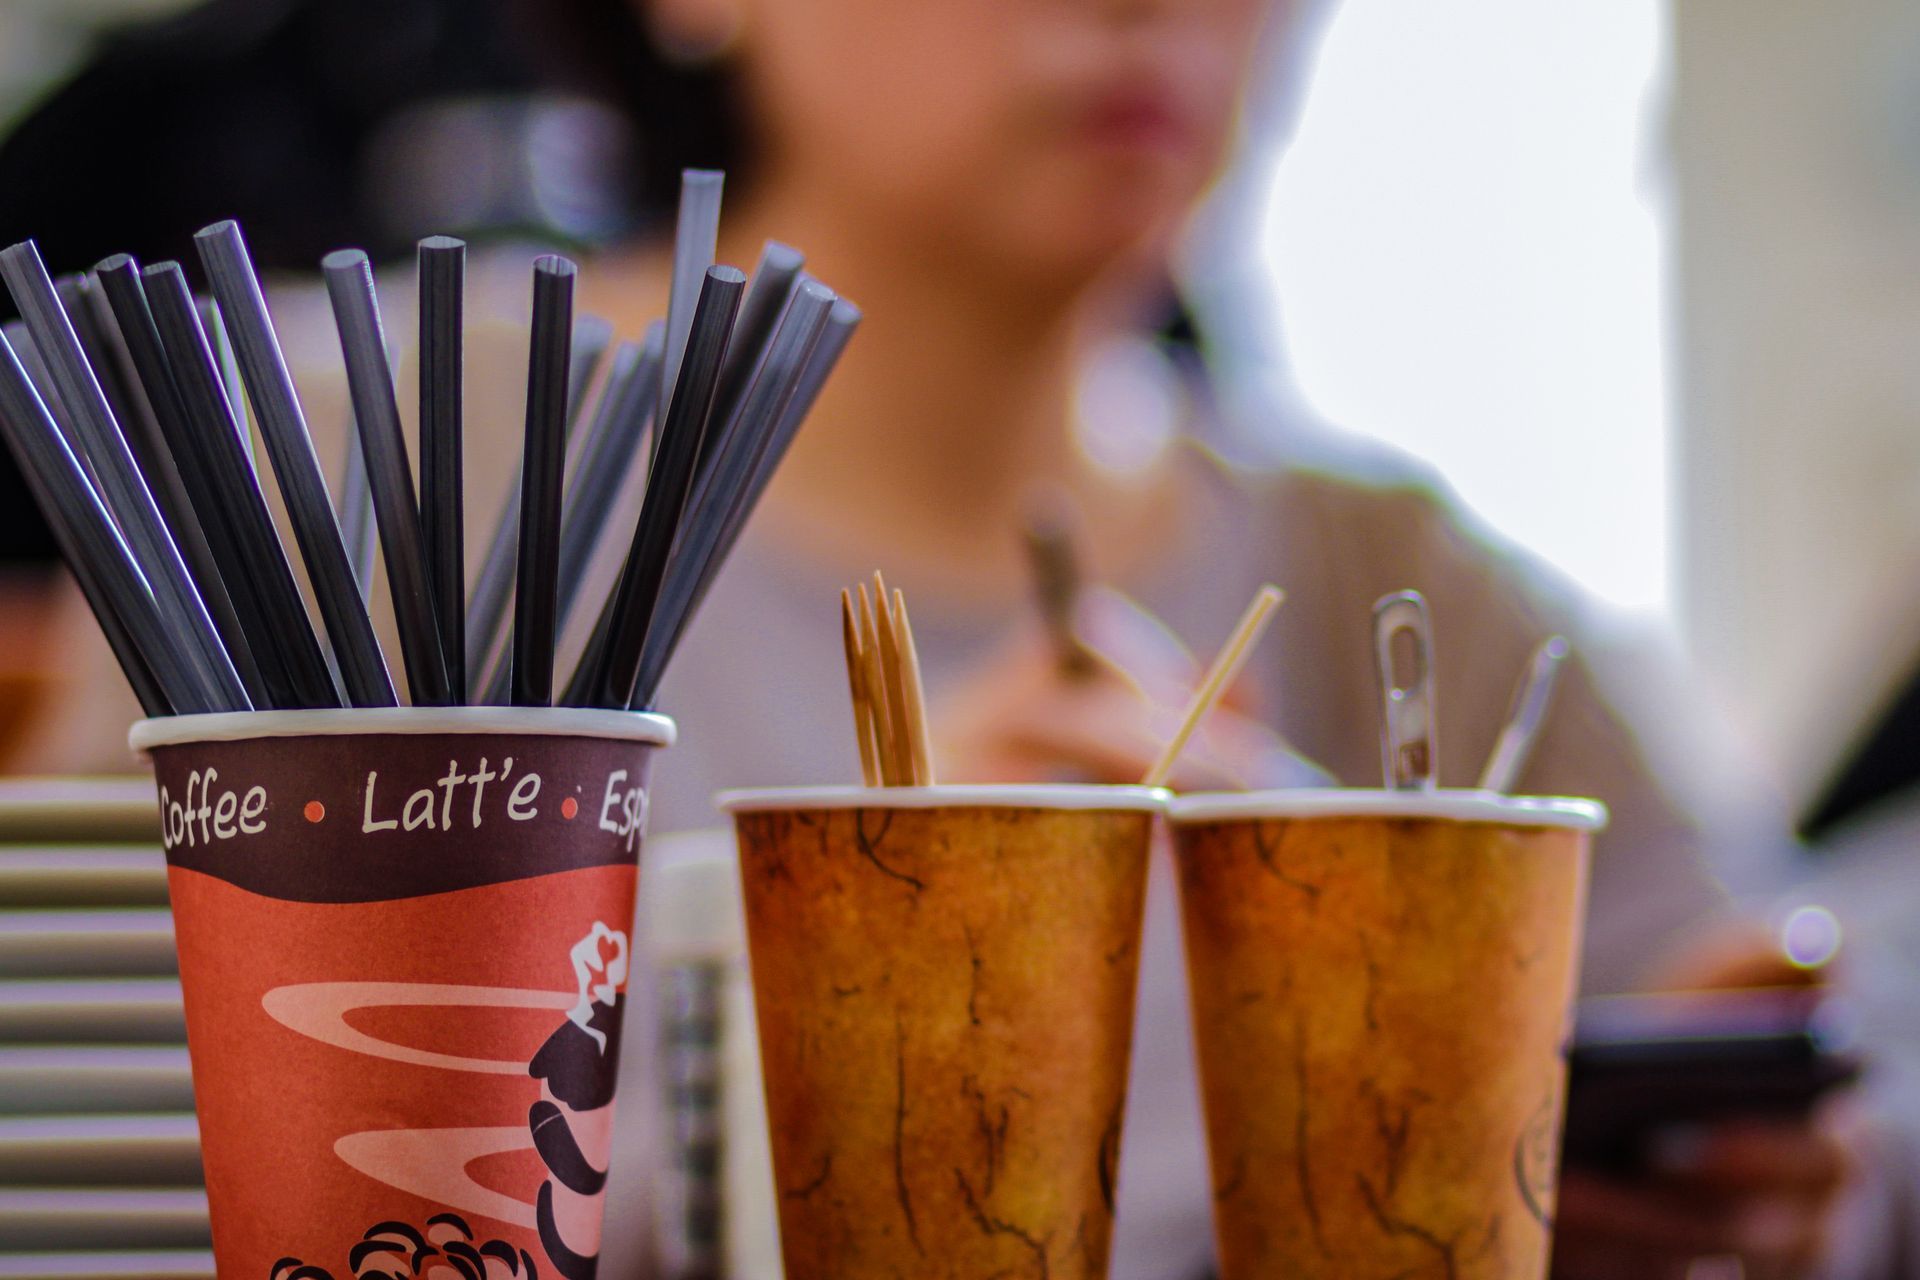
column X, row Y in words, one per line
column 1640, row 278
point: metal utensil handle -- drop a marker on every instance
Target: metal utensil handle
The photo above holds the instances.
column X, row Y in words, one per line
column 1525, row 717
column 1407, row 727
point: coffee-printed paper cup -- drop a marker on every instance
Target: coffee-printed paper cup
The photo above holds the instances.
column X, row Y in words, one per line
column 404, row 955
column 944, row 982
column 1382, row 993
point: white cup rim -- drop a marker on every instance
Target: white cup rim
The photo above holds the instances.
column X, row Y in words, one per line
column 1458, row 805
column 1042, row 795
column 557, row 722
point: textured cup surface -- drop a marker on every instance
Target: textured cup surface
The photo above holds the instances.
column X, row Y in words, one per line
column 403, row 954
column 1380, row 1006
column 945, row 999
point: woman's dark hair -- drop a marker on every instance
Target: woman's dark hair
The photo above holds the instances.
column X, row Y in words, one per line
column 275, row 112
column 682, row 114
column 255, row 109
column 267, row 110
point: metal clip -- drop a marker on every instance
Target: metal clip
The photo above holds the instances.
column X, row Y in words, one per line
column 1525, row 717
column 1406, row 724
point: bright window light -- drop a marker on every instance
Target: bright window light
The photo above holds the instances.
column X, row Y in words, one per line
column 1467, row 259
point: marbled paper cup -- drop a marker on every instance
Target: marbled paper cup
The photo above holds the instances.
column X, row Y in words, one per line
column 944, row 982
column 1382, row 993
column 404, row 953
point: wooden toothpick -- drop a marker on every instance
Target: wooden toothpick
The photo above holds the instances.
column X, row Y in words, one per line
column 875, row 682
column 1219, row 677
column 919, row 738
column 897, row 729
column 857, row 686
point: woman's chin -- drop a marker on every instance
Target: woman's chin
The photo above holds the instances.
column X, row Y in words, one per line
column 1088, row 240
column 1120, row 199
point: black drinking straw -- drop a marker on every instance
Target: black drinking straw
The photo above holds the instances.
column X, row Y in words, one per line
column 243, row 310
column 542, row 468
column 442, row 267
column 363, row 346
column 608, row 681
column 40, row 378
column 696, row 232
column 743, row 433
column 356, row 511
column 227, row 364
column 107, row 351
column 768, row 294
column 716, row 493
column 592, row 337
column 110, row 355
column 177, row 365
column 93, row 586
column 91, row 329
column 606, row 456
column 183, row 486
column 608, row 444
column 492, row 592
column 126, row 652
column 148, row 649
column 841, row 322
column 493, row 588
column 122, row 488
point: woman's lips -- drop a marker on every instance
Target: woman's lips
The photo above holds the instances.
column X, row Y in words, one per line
column 1138, row 118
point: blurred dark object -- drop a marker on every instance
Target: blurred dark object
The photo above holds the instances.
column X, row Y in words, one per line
column 30, row 671
column 682, row 109
column 324, row 123
column 1642, row 1065
column 268, row 111
column 1054, row 562
column 1882, row 764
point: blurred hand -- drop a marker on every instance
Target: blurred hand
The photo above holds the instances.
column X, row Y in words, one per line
column 1756, row 1194
column 1024, row 719
column 1736, row 1200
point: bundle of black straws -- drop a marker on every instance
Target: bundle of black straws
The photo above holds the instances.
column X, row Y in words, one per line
column 120, row 398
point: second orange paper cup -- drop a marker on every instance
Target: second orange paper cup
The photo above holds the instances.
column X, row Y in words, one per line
column 944, row 979
column 1382, row 990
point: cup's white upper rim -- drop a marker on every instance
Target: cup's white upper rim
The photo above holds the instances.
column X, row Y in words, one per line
column 559, row 722
column 1357, row 802
column 966, row 796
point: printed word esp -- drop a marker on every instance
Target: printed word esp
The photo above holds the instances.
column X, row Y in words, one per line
column 623, row 809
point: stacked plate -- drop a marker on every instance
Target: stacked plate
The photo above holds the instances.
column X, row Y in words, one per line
column 99, row 1156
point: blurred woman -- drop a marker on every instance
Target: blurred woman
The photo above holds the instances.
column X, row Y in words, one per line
column 1000, row 187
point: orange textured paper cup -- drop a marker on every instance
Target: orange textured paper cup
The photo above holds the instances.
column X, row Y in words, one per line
column 404, row 950
column 944, row 980
column 1382, row 992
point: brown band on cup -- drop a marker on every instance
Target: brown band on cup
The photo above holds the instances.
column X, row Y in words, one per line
column 377, row 817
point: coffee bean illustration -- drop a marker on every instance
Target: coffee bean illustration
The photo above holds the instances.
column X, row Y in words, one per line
column 397, row 1251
